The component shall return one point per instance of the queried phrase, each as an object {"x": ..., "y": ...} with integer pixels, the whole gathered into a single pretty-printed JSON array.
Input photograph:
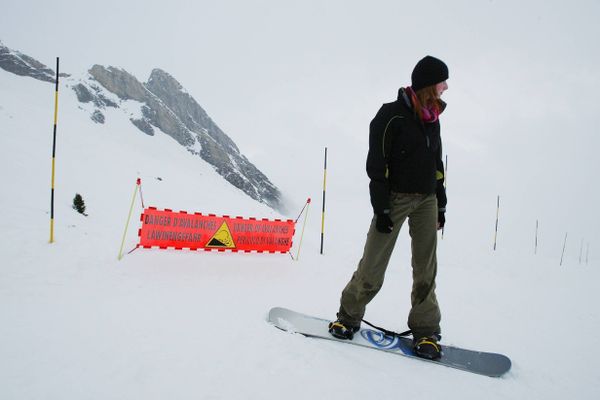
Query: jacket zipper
[{"x": 387, "y": 172}]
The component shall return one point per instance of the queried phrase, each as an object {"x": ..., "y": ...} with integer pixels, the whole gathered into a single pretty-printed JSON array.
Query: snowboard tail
[{"x": 478, "y": 362}]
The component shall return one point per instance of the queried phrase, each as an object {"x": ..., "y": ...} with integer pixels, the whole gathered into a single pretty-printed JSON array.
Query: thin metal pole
[
  {"x": 54, "y": 155},
  {"x": 587, "y": 253},
  {"x": 497, "y": 215},
  {"x": 580, "y": 251},
  {"x": 303, "y": 226},
  {"x": 138, "y": 185},
  {"x": 563, "y": 250},
  {"x": 536, "y": 236},
  {"x": 324, "y": 190}
]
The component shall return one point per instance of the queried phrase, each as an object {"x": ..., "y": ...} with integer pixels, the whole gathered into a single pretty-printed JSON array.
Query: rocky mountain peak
[
  {"x": 23, "y": 65},
  {"x": 164, "y": 106},
  {"x": 174, "y": 96},
  {"x": 160, "y": 78},
  {"x": 119, "y": 82}
]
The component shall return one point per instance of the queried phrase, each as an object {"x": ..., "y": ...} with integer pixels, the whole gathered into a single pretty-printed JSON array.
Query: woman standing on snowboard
[{"x": 406, "y": 170}]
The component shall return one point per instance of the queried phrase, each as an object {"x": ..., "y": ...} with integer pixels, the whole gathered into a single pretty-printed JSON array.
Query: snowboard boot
[
  {"x": 427, "y": 347},
  {"x": 341, "y": 330}
]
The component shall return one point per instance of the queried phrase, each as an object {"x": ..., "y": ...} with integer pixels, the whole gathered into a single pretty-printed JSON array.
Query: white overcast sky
[{"x": 524, "y": 79}]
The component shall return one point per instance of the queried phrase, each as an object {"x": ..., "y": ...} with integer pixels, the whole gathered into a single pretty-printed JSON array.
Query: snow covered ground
[{"x": 78, "y": 324}]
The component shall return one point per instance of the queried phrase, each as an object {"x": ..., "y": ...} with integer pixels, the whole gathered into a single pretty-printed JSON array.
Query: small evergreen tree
[{"x": 79, "y": 204}]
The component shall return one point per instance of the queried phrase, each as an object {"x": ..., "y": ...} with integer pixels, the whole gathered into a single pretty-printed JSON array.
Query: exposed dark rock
[
  {"x": 23, "y": 65},
  {"x": 98, "y": 117},
  {"x": 83, "y": 94},
  {"x": 127, "y": 87},
  {"x": 143, "y": 126},
  {"x": 166, "y": 88}
]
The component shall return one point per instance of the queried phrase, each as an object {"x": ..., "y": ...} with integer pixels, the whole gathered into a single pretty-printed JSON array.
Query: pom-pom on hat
[{"x": 428, "y": 71}]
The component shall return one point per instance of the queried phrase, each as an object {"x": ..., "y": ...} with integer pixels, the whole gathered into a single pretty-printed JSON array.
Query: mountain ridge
[{"x": 165, "y": 106}]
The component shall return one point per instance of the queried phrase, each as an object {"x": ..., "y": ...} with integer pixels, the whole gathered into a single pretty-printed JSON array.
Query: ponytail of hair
[{"x": 426, "y": 97}]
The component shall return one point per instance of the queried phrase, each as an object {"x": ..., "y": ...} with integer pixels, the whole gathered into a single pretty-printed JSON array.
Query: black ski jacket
[{"x": 405, "y": 155}]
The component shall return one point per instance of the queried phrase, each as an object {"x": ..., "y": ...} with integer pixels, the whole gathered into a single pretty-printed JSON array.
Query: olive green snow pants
[{"x": 421, "y": 211}]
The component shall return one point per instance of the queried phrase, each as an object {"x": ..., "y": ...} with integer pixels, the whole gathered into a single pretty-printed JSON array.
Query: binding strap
[{"x": 388, "y": 333}]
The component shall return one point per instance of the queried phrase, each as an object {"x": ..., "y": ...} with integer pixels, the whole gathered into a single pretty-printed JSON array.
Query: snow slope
[{"x": 77, "y": 323}]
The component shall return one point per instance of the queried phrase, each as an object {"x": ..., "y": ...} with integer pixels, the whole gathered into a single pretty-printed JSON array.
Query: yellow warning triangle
[{"x": 222, "y": 238}]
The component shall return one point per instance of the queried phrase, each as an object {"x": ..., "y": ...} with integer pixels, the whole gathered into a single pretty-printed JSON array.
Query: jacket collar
[{"x": 404, "y": 98}]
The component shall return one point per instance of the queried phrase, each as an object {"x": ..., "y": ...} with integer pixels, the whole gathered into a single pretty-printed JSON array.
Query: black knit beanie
[{"x": 428, "y": 71}]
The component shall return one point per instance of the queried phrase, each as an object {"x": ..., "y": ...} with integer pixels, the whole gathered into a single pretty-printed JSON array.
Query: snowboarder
[{"x": 404, "y": 164}]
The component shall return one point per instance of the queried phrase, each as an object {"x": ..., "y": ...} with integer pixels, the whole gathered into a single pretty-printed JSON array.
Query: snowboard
[{"x": 478, "y": 362}]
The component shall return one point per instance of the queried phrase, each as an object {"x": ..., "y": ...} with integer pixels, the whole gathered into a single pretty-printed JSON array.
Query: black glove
[
  {"x": 384, "y": 224},
  {"x": 441, "y": 219}
]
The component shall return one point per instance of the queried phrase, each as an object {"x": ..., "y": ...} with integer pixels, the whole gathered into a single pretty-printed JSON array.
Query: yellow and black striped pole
[
  {"x": 323, "y": 212},
  {"x": 54, "y": 156}
]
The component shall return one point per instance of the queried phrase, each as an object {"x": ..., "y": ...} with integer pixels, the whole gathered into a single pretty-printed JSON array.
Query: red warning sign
[{"x": 179, "y": 230}]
